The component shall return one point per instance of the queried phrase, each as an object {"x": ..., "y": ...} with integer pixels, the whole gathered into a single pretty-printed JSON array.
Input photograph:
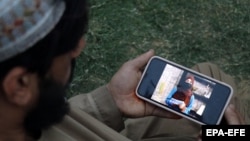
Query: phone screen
[{"x": 184, "y": 91}]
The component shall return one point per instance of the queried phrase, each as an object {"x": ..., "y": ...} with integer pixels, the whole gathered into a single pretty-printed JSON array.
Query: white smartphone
[{"x": 184, "y": 91}]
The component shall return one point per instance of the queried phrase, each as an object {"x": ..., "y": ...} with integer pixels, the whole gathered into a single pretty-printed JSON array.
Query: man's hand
[
  {"x": 123, "y": 85},
  {"x": 233, "y": 117}
]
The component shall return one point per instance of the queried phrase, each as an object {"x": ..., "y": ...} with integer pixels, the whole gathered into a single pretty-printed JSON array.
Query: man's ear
[
  {"x": 18, "y": 86},
  {"x": 80, "y": 46}
]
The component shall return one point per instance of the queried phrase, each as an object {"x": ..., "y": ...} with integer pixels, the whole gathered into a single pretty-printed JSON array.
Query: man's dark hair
[{"x": 63, "y": 38}]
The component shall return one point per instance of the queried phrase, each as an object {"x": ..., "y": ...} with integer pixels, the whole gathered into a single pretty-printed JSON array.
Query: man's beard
[{"x": 52, "y": 106}]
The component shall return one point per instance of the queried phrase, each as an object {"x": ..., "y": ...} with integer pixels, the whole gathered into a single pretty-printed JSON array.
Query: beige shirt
[{"x": 93, "y": 117}]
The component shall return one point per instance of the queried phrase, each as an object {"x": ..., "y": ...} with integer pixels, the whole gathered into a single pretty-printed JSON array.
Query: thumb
[
  {"x": 142, "y": 60},
  {"x": 232, "y": 116}
]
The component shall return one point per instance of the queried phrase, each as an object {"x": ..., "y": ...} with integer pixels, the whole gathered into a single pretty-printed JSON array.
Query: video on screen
[{"x": 183, "y": 91}]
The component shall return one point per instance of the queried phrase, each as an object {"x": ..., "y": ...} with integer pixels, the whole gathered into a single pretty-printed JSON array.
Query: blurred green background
[{"x": 184, "y": 31}]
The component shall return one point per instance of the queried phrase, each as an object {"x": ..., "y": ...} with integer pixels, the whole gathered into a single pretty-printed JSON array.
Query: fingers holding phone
[{"x": 232, "y": 116}]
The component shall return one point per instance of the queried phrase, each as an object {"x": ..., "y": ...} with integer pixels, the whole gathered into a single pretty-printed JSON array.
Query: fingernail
[
  {"x": 231, "y": 106},
  {"x": 151, "y": 50}
]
